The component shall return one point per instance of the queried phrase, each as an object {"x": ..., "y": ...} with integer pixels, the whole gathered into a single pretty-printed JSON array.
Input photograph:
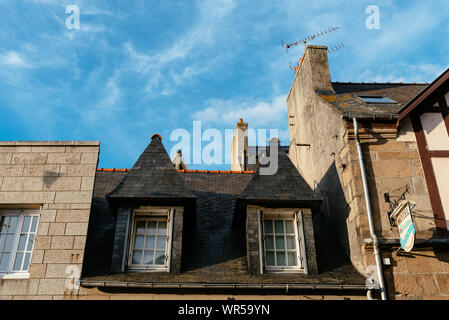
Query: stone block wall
[
  {"x": 56, "y": 178},
  {"x": 309, "y": 239},
  {"x": 422, "y": 274},
  {"x": 391, "y": 165},
  {"x": 252, "y": 240},
  {"x": 392, "y": 162}
]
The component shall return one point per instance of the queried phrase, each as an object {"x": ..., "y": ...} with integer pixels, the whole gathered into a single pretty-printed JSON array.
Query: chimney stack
[
  {"x": 178, "y": 161},
  {"x": 239, "y": 150},
  {"x": 315, "y": 67}
]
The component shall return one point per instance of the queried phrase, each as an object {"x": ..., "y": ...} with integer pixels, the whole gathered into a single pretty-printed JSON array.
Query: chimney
[
  {"x": 314, "y": 68},
  {"x": 239, "y": 150},
  {"x": 178, "y": 161}
]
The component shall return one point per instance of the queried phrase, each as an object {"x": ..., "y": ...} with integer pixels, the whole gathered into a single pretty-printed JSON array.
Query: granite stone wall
[{"x": 56, "y": 179}]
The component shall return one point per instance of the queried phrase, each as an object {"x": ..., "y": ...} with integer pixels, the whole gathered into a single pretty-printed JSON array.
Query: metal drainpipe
[{"x": 370, "y": 215}]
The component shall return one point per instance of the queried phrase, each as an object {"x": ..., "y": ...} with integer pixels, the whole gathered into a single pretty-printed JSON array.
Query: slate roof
[
  {"x": 153, "y": 176},
  {"x": 286, "y": 185},
  {"x": 100, "y": 233},
  {"x": 215, "y": 252},
  {"x": 345, "y": 101}
]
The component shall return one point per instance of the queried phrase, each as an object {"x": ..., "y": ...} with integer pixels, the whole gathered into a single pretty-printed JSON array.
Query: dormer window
[
  {"x": 150, "y": 241},
  {"x": 377, "y": 99},
  {"x": 282, "y": 241}
]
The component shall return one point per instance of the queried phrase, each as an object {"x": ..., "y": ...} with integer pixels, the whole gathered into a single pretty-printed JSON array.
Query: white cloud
[
  {"x": 402, "y": 72},
  {"x": 13, "y": 59},
  {"x": 258, "y": 114}
]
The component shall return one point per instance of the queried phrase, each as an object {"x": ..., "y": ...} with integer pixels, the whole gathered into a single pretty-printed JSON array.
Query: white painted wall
[{"x": 435, "y": 131}]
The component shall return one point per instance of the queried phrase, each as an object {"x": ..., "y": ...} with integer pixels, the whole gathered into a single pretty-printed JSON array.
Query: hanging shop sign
[{"x": 402, "y": 216}]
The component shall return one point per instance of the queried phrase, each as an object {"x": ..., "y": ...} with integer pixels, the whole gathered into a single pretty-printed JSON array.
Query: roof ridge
[
  {"x": 183, "y": 171},
  {"x": 153, "y": 176},
  {"x": 113, "y": 170},
  {"x": 216, "y": 171},
  {"x": 383, "y": 83}
]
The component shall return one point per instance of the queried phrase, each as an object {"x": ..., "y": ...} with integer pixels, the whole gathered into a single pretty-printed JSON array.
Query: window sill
[
  {"x": 17, "y": 275},
  {"x": 147, "y": 270},
  {"x": 275, "y": 270}
]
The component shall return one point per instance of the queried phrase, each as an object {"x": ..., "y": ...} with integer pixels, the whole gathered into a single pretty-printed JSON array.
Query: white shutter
[
  {"x": 301, "y": 251},
  {"x": 261, "y": 241},
  {"x": 170, "y": 226}
]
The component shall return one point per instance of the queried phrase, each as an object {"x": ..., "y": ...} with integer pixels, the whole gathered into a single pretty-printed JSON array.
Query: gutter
[
  {"x": 369, "y": 212},
  {"x": 286, "y": 287},
  {"x": 421, "y": 243}
]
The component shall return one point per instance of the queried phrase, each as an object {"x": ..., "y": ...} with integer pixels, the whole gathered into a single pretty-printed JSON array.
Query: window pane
[
  {"x": 279, "y": 226},
  {"x": 289, "y": 226},
  {"x": 34, "y": 224},
  {"x": 151, "y": 227},
  {"x": 280, "y": 256},
  {"x": 162, "y": 227},
  {"x": 140, "y": 227},
  {"x": 4, "y": 259},
  {"x": 280, "y": 244},
  {"x": 138, "y": 242},
  {"x": 8, "y": 243},
  {"x": 2, "y": 241},
  {"x": 3, "y": 224},
  {"x": 13, "y": 221},
  {"x": 30, "y": 242},
  {"x": 270, "y": 258},
  {"x": 149, "y": 242},
  {"x": 26, "y": 263},
  {"x": 148, "y": 258},
  {"x": 26, "y": 224},
  {"x": 161, "y": 241},
  {"x": 160, "y": 258},
  {"x": 291, "y": 242},
  {"x": 18, "y": 261},
  {"x": 291, "y": 258},
  {"x": 268, "y": 226},
  {"x": 22, "y": 242},
  {"x": 137, "y": 257},
  {"x": 377, "y": 99},
  {"x": 269, "y": 242}
]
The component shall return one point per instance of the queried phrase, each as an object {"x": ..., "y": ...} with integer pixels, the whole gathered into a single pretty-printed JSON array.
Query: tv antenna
[
  {"x": 336, "y": 48},
  {"x": 305, "y": 40}
]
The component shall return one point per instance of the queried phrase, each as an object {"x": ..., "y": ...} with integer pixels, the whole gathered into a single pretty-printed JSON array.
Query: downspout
[{"x": 370, "y": 215}]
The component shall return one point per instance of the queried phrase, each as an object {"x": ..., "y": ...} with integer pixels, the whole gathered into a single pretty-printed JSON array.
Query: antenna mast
[{"x": 305, "y": 40}]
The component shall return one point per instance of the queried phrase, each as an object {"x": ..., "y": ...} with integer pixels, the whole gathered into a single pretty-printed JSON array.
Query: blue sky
[{"x": 135, "y": 68}]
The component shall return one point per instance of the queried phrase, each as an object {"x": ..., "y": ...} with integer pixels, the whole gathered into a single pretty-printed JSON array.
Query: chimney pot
[{"x": 156, "y": 135}]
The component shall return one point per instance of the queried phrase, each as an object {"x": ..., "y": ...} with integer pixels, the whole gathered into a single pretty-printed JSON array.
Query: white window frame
[
  {"x": 284, "y": 214},
  {"x": 21, "y": 213},
  {"x": 149, "y": 213}
]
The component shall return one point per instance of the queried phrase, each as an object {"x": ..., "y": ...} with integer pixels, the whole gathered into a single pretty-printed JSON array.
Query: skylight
[{"x": 377, "y": 99}]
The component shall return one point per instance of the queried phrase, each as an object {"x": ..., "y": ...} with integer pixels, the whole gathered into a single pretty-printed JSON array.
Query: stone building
[
  {"x": 403, "y": 132},
  {"x": 46, "y": 191},
  {"x": 155, "y": 232},
  {"x": 69, "y": 230}
]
